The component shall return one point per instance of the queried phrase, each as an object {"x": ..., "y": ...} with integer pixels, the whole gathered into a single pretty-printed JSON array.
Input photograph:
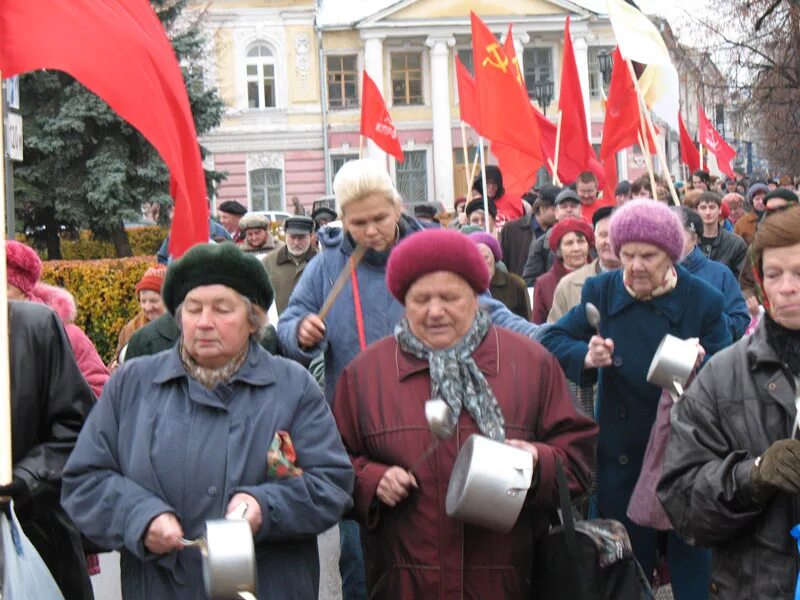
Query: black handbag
[{"x": 569, "y": 564}]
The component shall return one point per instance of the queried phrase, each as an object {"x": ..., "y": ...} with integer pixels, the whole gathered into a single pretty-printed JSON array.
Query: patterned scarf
[
  {"x": 456, "y": 378},
  {"x": 667, "y": 284},
  {"x": 209, "y": 378}
]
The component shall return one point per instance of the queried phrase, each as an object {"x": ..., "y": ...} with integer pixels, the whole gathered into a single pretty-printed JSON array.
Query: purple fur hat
[{"x": 648, "y": 222}]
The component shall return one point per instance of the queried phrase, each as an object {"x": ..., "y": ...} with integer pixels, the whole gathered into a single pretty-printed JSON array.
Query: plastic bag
[
  {"x": 25, "y": 575},
  {"x": 796, "y": 535}
]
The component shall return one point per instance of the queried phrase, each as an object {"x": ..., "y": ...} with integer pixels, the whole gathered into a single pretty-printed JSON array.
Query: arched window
[{"x": 260, "y": 77}]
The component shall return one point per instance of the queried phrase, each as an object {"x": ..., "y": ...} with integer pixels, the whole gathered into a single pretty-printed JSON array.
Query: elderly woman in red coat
[{"x": 496, "y": 383}]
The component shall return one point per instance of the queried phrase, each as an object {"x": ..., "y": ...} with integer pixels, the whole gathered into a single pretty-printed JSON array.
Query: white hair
[{"x": 360, "y": 178}]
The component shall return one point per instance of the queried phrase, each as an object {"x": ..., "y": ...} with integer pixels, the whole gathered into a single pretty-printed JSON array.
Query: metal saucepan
[
  {"x": 440, "y": 422},
  {"x": 229, "y": 557},
  {"x": 489, "y": 483},
  {"x": 673, "y": 364}
]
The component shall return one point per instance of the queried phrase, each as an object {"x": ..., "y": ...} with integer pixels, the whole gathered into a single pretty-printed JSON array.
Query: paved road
[{"x": 106, "y": 584}]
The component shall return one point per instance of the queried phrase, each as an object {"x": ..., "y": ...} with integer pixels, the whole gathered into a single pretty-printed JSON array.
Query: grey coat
[
  {"x": 741, "y": 402},
  {"x": 158, "y": 441}
]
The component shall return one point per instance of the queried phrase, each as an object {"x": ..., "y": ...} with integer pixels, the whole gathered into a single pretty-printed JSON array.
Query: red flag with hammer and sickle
[{"x": 505, "y": 112}]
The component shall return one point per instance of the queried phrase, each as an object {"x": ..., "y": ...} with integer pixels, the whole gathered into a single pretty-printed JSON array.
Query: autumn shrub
[
  {"x": 145, "y": 241},
  {"x": 104, "y": 292}
]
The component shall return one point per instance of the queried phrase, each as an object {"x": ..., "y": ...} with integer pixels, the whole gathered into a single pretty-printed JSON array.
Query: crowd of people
[{"x": 535, "y": 320}]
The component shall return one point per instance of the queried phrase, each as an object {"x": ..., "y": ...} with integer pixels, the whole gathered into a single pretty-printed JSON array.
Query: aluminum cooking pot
[
  {"x": 489, "y": 483},
  {"x": 673, "y": 364},
  {"x": 229, "y": 563}
]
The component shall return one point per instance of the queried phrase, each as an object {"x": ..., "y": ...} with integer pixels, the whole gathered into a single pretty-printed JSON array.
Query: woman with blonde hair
[{"x": 365, "y": 311}]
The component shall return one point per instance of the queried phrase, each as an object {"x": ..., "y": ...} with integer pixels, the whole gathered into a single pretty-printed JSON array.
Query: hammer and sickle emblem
[{"x": 494, "y": 58}]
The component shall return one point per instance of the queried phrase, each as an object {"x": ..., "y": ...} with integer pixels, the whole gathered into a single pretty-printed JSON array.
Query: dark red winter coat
[{"x": 415, "y": 550}]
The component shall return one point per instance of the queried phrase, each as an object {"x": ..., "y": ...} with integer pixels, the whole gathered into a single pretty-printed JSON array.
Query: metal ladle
[
  {"x": 440, "y": 422},
  {"x": 593, "y": 316}
]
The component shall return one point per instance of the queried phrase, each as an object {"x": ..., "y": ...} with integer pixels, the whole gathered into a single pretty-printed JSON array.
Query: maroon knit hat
[
  {"x": 487, "y": 239},
  {"x": 435, "y": 250},
  {"x": 24, "y": 266},
  {"x": 649, "y": 222},
  {"x": 571, "y": 225}
]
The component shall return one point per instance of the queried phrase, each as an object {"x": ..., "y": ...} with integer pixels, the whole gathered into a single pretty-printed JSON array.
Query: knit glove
[{"x": 779, "y": 467}]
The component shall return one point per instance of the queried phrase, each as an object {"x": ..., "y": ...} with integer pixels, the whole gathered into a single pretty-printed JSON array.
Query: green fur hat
[{"x": 210, "y": 264}]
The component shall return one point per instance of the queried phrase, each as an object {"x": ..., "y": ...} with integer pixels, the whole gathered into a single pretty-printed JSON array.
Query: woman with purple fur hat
[{"x": 651, "y": 296}]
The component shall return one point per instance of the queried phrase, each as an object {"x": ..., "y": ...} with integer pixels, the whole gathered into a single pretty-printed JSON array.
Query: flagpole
[
  {"x": 466, "y": 153},
  {"x": 701, "y": 156},
  {"x": 360, "y": 146},
  {"x": 558, "y": 146},
  {"x": 483, "y": 181},
  {"x": 6, "y": 464},
  {"x": 644, "y": 144},
  {"x": 472, "y": 172},
  {"x": 651, "y": 128}
]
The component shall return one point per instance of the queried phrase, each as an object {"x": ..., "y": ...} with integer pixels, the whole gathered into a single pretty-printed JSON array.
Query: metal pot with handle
[
  {"x": 489, "y": 483},
  {"x": 672, "y": 364},
  {"x": 229, "y": 558}
]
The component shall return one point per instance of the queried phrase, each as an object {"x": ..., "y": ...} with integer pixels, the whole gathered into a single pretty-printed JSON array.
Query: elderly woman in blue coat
[
  {"x": 651, "y": 296},
  {"x": 189, "y": 434}
]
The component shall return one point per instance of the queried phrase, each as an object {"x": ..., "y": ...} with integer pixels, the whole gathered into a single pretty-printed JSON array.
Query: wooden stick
[
  {"x": 701, "y": 156},
  {"x": 556, "y": 180},
  {"x": 340, "y": 282},
  {"x": 646, "y": 151},
  {"x": 5, "y": 379},
  {"x": 651, "y": 128},
  {"x": 554, "y": 166},
  {"x": 466, "y": 155},
  {"x": 360, "y": 146}
]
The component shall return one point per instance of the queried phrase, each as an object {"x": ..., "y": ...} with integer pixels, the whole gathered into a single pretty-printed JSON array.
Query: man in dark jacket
[
  {"x": 716, "y": 242},
  {"x": 50, "y": 400},
  {"x": 516, "y": 236}
]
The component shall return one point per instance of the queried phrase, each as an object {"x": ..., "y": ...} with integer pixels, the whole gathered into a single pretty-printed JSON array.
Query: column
[
  {"x": 442, "y": 123},
  {"x": 520, "y": 39},
  {"x": 581, "y": 48},
  {"x": 373, "y": 64}
]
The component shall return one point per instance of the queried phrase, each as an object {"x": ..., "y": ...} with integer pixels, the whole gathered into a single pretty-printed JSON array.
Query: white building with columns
[{"x": 289, "y": 72}]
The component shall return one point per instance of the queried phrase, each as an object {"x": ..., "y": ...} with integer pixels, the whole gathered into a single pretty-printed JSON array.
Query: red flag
[
  {"x": 714, "y": 142},
  {"x": 376, "y": 124},
  {"x": 505, "y": 114},
  {"x": 690, "y": 156},
  {"x": 467, "y": 97},
  {"x": 574, "y": 145},
  {"x": 120, "y": 52},
  {"x": 621, "y": 127}
]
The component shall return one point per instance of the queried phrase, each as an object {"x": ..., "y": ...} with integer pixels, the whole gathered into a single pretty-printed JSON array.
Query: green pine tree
[{"x": 84, "y": 167}]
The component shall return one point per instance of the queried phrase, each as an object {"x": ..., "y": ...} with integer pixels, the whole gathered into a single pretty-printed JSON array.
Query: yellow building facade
[{"x": 289, "y": 73}]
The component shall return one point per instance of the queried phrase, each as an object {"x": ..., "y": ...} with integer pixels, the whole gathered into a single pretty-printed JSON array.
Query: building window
[
  {"x": 338, "y": 160},
  {"x": 260, "y": 66},
  {"x": 266, "y": 189},
  {"x": 342, "y": 81},
  {"x": 595, "y": 76},
  {"x": 406, "y": 78},
  {"x": 412, "y": 176},
  {"x": 538, "y": 63},
  {"x": 465, "y": 55}
]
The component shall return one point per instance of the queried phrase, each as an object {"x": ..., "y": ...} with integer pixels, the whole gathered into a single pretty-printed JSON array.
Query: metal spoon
[
  {"x": 593, "y": 316},
  {"x": 440, "y": 422}
]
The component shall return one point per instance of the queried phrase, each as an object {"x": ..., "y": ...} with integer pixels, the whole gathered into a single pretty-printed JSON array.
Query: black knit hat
[
  {"x": 232, "y": 207},
  {"x": 784, "y": 194},
  {"x": 211, "y": 264}
]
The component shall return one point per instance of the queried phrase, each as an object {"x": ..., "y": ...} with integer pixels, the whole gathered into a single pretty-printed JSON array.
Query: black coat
[
  {"x": 540, "y": 259},
  {"x": 515, "y": 242},
  {"x": 50, "y": 401},
  {"x": 740, "y": 403},
  {"x": 727, "y": 248}
]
